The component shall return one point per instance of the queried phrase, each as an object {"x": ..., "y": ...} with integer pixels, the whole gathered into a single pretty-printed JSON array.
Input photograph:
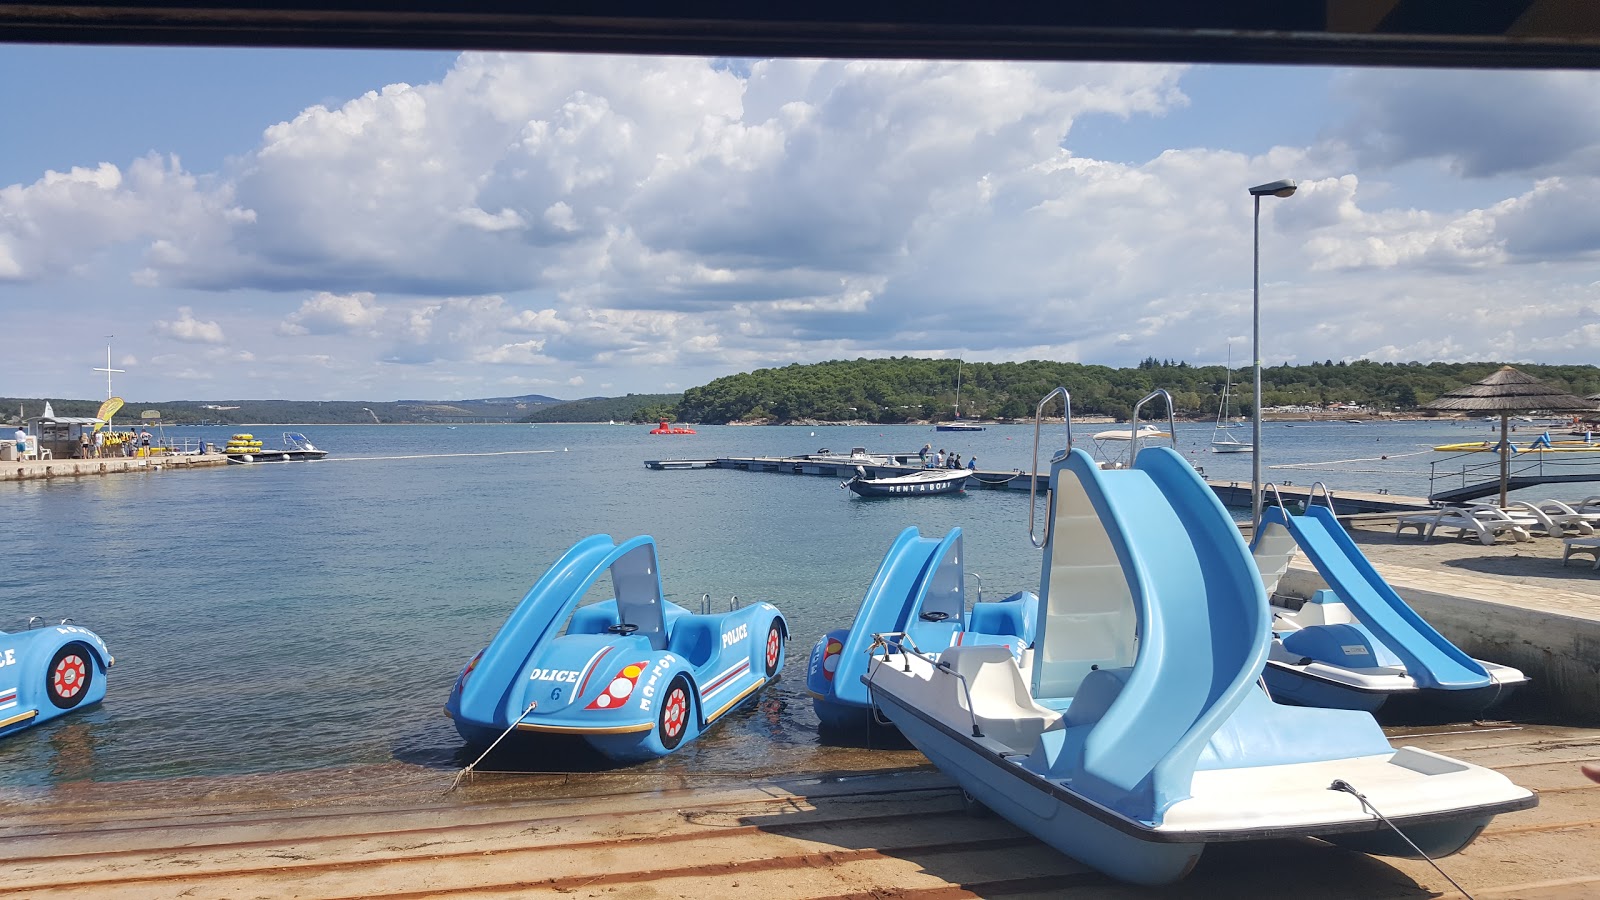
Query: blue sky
[{"x": 371, "y": 225}]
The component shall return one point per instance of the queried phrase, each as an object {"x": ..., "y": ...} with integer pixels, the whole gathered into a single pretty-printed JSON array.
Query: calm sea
[{"x": 300, "y": 616}]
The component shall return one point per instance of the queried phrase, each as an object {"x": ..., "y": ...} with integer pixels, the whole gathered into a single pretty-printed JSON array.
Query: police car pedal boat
[
  {"x": 636, "y": 676},
  {"x": 48, "y": 671},
  {"x": 919, "y": 589}
]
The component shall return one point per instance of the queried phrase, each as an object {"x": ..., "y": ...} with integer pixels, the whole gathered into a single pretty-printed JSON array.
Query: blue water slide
[
  {"x": 1202, "y": 630},
  {"x": 1430, "y": 659},
  {"x": 542, "y": 612},
  {"x": 884, "y": 608}
]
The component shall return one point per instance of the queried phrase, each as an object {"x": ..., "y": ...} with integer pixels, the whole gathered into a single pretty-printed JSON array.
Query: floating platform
[
  {"x": 32, "y": 469},
  {"x": 1231, "y": 493}
]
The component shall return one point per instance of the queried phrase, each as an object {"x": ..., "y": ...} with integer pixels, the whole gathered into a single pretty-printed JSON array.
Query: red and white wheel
[
  {"x": 69, "y": 676},
  {"x": 674, "y": 721},
  {"x": 774, "y": 647}
]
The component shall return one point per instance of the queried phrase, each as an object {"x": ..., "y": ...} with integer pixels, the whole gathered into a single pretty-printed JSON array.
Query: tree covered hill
[
  {"x": 297, "y": 412},
  {"x": 631, "y": 408},
  {"x": 903, "y": 389}
]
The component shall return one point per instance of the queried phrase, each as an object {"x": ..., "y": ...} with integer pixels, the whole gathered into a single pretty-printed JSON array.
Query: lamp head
[{"x": 1281, "y": 188}]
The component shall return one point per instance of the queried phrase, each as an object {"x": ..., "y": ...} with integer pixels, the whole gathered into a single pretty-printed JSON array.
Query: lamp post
[{"x": 1280, "y": 188}]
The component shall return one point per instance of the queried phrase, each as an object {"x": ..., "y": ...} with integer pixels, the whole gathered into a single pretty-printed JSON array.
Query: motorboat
[
  {"x": 1115, "y": 447},
  {"x": 858, "y": 456},
  {"x": 1134, "y": 731},
  {"x": 1357, "y": 644},
  {"x": 664, "y": 428},
  {"x": 244, "y": 449},
  {"x": 48, "y": 671},
  {"x": 921, "y": 483},
  {"x": 920, "y": 590},
  {"x": 635, "y": 676}
]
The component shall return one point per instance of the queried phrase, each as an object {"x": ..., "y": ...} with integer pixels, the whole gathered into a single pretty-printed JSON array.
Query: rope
[
  {"x": 1336, "y": 462},
  {"x": 435, "y": 455},
  {"x": 464, "y": 772},
  {"x": 1339, "y": 784},
  {"x": 982, "y": 480}
]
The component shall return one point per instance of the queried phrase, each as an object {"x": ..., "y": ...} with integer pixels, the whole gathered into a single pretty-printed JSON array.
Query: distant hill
[
  {"x": 300, "y": 412},
  {"x": 631, "y": 408}
]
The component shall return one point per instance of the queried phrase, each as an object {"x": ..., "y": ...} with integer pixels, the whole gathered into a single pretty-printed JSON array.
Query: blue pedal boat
[
  {"x": 920, "y": 590},
  {"x": 48, "y": 671},
  {"x": 1134, "y": 732},
  {"x": 636, "y": 676},
  {"x": 1357, "y": 644}
]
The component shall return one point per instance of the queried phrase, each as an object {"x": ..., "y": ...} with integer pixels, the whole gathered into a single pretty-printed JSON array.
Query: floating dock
[
  {"x": 1231, "y": 493},
  {"x": 33, "y": 469}
]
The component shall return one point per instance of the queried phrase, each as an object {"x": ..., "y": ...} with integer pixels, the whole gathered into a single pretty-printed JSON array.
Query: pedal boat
[
  {"x": 1139, "y": 733},
  {"x": 920, "y": 590},
  {"x": 1357, "y": 644},
  {"x": 636, "y": 676},
  {"x": 49, "y": 671}
]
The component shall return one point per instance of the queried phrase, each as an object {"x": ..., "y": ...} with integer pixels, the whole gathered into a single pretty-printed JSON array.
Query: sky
[{"x": 365, "y": 225}]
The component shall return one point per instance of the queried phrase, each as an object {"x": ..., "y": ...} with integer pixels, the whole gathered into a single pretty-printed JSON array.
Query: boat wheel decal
[
  {"x": 774, "y": 644},
  {"x": 677, "y": 712},
  {"x": 69, "y": 675},
  {"x": 830, "y": 658}
]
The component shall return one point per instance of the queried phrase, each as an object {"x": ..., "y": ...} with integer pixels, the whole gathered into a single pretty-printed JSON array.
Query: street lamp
[{"x": 1280, "y": 188}]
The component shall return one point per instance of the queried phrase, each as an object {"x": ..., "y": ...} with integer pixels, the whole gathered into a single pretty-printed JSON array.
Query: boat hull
[
  {"x": 904, "y": 487},
  {"x": 1290, "y": 684},
  {"x": 1007, "y": 790},
  {"x": 267, "y": 456}
]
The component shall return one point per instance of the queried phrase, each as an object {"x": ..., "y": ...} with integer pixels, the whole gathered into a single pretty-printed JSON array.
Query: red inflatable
[{"x": 664, "y": 428}]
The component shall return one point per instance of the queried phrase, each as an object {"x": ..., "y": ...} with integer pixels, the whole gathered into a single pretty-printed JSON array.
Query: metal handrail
[
  {"x": 1327, "y": 496},
  {"x": 1269, "y": 486},
  {"x": 905, "y": 641},
  {"x": 705, "y": 604},
  {"x": 979, "y": 578},
  {"x": 33, "y": 619},
  {"x": 1033, "y": 485},
  {"x": 1172, "y": 423}
]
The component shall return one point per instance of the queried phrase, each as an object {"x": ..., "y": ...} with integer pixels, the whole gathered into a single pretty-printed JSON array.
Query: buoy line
[
  {"x": 1336, "y": 462},
  {"x": 435, "y": 455}
]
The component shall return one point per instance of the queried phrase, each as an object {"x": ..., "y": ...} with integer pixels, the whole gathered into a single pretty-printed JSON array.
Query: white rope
[
  {"x": 435, "y": 455},
  {"x": 464, "y": 772},
  {"x": 1336, "y": 462}
]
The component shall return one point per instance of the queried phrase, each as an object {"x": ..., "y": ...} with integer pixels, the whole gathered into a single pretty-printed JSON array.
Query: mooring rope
[
  {"x": 1339, "y": 784},
  {"x": 464, "y": 772},
  {"x": 1337, "y": 462}
]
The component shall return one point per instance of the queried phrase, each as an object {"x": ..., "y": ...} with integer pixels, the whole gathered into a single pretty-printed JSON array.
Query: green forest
[
  {"x": 905, "y": 389},
  {"x": 638, "y": 408}
]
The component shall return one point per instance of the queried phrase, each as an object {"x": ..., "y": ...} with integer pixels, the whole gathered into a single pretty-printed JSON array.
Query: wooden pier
[{"x": 1231, "y": 493}]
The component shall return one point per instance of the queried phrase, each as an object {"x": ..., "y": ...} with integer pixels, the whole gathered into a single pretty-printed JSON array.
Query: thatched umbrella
[{"x": 1505, "y": 392}]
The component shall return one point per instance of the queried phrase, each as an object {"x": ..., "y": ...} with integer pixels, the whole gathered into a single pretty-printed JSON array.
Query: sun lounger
[
  {"x": 1484, "y": 523},
  {"x": 1581, "y": 545},
  {"x": 1562, "y": 516}
]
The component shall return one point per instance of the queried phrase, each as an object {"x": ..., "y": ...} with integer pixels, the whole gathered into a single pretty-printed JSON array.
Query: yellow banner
[{"x": 107, "y": 410}]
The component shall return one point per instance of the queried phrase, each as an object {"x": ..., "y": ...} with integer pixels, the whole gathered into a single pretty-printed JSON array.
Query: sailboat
[
  {"x": 956, "y": 424},
  {"x": 1222, "y": 441}
]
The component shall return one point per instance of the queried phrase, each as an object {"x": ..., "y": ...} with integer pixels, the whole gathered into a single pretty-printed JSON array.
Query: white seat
[
  {"x": 1484, "y": 523},
  {"x": 1581, "y": 545},
  {"x": 1560, "y": 518}
]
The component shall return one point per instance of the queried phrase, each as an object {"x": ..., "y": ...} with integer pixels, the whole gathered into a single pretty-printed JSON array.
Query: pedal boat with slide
[
  {"x": 1135, "y": 731},
  {"x": 920, "y": 590},
  {"x": 48, "y": 671},
  {"x": 635, "y": 676},
  {"x": 1357, "y": 644}
]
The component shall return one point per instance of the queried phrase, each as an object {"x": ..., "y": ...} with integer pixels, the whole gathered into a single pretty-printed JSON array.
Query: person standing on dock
[
  {"x": 923, "y": 454},
  {"x": 99, "y": 444},
  {"x": 83, "y": 445}
]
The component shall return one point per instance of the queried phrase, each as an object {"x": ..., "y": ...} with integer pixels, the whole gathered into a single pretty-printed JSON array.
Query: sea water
[{"x": 311, "y": 615}]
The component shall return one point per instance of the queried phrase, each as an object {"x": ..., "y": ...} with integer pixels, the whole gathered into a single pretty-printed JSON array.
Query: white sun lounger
[
  {"x": 1581, "y": 545},
  {"x": 1484, "y": 523},
  {"x": 1561, "y": 516}
]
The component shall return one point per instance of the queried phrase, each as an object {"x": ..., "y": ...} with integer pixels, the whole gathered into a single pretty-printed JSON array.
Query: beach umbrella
[{"x": 1504, "y": 393}]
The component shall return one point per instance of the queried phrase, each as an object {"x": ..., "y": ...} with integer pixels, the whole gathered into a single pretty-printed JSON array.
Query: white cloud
[
  {"x": 328, "y": 313},
  {"x": 190, "y": 330}
]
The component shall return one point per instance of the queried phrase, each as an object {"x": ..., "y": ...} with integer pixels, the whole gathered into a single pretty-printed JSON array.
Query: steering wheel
[
  {"x": 934, "y": 616},
  {"x": 622, "y": 628}
]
